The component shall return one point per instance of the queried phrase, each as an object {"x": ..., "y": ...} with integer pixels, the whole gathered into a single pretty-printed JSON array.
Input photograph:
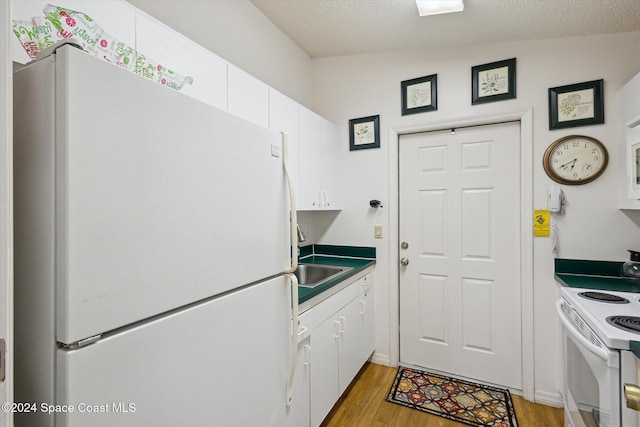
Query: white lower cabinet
[
  {"x": 300, "y": 411},
  {"x": 340, "y": 342},
  {"x": 350, "y": 323},
  {"x": 366, "y": 336},
  {"x": 324, "y": 368}
]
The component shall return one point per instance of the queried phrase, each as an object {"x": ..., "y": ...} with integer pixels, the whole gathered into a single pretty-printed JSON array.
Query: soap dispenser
[{"x": 631, "y": 268}]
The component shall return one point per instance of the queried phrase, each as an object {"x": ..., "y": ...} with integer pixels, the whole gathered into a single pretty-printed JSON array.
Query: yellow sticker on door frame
[{"x": 541, "y": 223}]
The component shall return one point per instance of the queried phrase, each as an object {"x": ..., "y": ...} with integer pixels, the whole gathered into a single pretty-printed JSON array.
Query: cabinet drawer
[
  {"x": 305, "y": 325},
  {"x": 333, "y": 304}
]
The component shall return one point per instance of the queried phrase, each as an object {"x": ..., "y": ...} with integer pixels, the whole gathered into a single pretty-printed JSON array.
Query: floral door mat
[{"x": 463, "y": 401}]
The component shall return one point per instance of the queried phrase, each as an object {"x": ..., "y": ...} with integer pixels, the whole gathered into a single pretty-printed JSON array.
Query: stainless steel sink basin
[{"x": 312, "y": 275}]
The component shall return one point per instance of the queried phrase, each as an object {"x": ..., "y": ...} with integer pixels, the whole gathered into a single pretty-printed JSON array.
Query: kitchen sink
[{"x": 312, "y": 275}]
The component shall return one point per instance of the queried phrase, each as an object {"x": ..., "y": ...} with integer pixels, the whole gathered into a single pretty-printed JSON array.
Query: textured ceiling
[{"x": 350, "y": 27}]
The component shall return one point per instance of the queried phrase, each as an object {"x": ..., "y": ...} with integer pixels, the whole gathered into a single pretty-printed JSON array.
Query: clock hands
[{"x": 566, "y": 165}]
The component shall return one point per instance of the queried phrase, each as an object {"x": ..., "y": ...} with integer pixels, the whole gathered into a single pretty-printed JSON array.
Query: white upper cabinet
[
  {"x": 629, "y": 148},
  {"x": 248, "y": 97},
  {"x": 320, "y": 167},
  {"x": 172, "y": 50},
  {"x": 284, "y": 117},
  {"x": 314, "y": 142}
]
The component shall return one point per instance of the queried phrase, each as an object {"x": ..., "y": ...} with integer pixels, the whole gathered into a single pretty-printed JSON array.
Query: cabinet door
[
  {"x": 350, "y": 354},
  {"x": 300, "y": 411},
  {"x": 320, "y": 167},
  {"x": 324, "y": 369},
  {"x": 633, "y": 163},
  {"x": 366, "y": 316},
  {"x": 171, "y": 49},
  {"x": 311, "y": 160},
  {"x": 248, "y": 97},
  {"x": 283, "y": 117},
  {"x": 332, "y": 175}
]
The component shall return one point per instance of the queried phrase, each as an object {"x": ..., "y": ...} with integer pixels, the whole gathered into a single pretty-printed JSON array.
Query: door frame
[{"x": 525, "y": 117}]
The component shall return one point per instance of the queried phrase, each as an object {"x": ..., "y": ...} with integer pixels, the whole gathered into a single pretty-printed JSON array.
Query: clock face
[{"x": 575, "y": 160}]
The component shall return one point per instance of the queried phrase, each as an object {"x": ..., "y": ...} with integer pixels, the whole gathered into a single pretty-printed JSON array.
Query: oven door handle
[{"x": 600, "y": 352}]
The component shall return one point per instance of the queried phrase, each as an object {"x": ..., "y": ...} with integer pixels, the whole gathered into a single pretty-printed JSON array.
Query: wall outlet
[{"x": 377, "y": 231}]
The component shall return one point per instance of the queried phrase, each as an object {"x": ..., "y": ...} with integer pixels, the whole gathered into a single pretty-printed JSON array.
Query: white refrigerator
[{"x": 151, "y": 234}]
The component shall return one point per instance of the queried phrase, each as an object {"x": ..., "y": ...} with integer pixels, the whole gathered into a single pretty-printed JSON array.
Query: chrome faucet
[{"x": 301, "y": 237}]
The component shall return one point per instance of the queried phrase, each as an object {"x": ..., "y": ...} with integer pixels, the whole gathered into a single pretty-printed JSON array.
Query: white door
[{"x": 460, "y": 220}]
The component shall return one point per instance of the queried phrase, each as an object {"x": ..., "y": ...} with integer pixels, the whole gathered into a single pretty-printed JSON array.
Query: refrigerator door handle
[
  {"x": 293, "y": 236},
  {"x": 293, "y": 232},
  {"x": 294, "y": 335}
]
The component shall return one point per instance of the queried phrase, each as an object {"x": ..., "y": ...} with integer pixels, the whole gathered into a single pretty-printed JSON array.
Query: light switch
[{"x": 377, "y": 231}]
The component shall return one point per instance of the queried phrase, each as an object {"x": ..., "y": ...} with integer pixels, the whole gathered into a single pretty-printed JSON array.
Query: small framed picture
[
  {"x": 495, "y": 81},
  {"x": 578, "y": 104},
  {"x": 419, "y": 95},
  {"x": 364, "y": 133}
]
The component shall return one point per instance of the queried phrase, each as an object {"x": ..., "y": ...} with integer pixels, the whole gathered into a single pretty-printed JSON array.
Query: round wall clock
[{"x": 575, "y": 160}]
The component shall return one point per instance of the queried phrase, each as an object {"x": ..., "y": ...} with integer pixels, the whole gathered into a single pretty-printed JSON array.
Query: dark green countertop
[
  {"x": 601, "y": 275},
  {"x": 358, "y": 258},
  {"x": 603, "y": 283},
  {"x": 634, "y": 346}
]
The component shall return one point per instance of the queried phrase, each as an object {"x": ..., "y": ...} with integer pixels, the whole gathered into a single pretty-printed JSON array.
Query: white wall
[
  {"x": 592, "y": 228},
  {"x": 239, "y": 33}
]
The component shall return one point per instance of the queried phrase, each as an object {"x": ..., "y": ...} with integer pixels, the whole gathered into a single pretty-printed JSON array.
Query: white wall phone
[
  {"x": 556, "y": 199},
  {"x": 555, "y": 204}
]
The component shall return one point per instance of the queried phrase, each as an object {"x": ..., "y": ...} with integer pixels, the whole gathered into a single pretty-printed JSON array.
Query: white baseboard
[
  {"x": 549, "y": 399},
  {"x": 380, "y": 359}
]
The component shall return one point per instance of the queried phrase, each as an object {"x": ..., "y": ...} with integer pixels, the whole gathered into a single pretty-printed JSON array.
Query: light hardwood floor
[{"x": 364, "y": 405}]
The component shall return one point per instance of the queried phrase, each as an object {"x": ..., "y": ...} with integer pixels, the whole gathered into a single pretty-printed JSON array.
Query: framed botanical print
[
  {"x": 419, "y": 95},
  {"x": 364, "y": 133},
  {"x": 578, "y": 104},
  {"x": 495, "y": 81}
]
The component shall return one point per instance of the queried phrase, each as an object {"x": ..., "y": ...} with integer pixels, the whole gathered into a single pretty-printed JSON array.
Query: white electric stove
[
  {"x": 598, "y": 327},
  {"x": 613, "y": 316}
]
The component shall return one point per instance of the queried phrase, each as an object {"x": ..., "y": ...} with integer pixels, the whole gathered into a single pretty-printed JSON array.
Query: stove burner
[
  {"x": 628, "y": 323},
  {"x": 604, "y": 297}
]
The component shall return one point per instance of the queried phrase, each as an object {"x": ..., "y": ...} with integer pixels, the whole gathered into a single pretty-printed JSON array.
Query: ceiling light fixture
[{"x": 437, "y": 7}]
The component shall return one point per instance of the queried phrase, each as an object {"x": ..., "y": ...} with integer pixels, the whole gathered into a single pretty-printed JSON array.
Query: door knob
[
  {"x": 404, "y": 261},
  {"x": 632, "y": 396}
]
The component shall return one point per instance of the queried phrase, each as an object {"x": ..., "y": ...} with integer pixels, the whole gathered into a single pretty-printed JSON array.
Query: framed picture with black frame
[
  {"x": 419, "y": 95},
  {"x": 495, "y": 81},
  {"x": 364, "y": 133},
  {"x": 579, "y": 104}
]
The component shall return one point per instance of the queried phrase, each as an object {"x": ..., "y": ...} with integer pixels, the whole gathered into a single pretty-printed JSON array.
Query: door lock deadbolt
[{"x": 404, "y": 245}]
